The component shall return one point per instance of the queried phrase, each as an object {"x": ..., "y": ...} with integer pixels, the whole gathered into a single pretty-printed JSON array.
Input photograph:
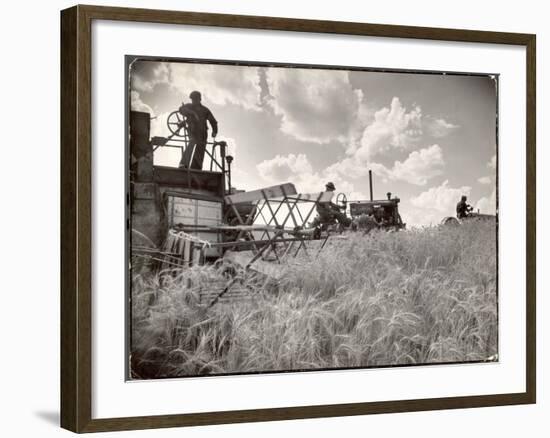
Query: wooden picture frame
[{"x": 76, "y": 218}]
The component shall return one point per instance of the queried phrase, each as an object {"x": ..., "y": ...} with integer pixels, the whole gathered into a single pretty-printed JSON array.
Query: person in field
[
  {"x": 196, "y": 115},
  {"x": 463, "y": 208},
  {"x": 328, "y": 212}
]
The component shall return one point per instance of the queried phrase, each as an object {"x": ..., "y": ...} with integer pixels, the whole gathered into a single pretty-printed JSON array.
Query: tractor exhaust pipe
[{"x": 370, "y": 183}]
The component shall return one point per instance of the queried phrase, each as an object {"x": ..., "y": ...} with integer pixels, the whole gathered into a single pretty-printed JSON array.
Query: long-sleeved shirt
[
  {"x": 462, "y": 209},
  {"x": 197, "y": 115}
]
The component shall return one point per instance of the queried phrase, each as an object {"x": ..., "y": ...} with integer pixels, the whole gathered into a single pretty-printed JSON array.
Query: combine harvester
[{"x": 179, "y": 217}]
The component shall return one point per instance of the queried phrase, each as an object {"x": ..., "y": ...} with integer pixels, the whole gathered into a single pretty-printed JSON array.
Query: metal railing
[{"x": 214, "y": 156}]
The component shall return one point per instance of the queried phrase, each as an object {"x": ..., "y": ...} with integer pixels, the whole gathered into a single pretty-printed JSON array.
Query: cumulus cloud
[
  {"x": 136, "y": 104},
  {"x": 146, "y": 75},
  {"x": 316, "y": 105},
  {"x": 488, "y": 204},
  {"x": 298, "y": 170},
  {"x": 281, "y": 168},
  {"x": 492, "y": 164},
  {"x": 322, "y": 106},
  {"x": 419, "y": 167},
  {"x": 439, "y": 128},
  {"x": 349, "y": 168},
  {"x": 437, "y": 202},
  {"x": 393, "y": 127},
  {"x": 242, "y": 180},
  {"x": 219, "y": 84},
  {"x": 442, "y": 198},
  {"x": 484, "y": 180}
]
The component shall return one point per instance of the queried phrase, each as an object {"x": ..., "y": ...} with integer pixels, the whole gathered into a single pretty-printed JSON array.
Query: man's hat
[
  {"x": 195, "y": 94},
  {"x": 330, "y": 186}
]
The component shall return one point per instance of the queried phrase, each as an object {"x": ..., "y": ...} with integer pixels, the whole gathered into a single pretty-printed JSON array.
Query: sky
[{"x": 428, "y": 138}]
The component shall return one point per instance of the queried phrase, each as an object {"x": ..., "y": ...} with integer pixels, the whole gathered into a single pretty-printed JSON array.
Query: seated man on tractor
[
  {"x": 328, "y": 213},
  {"x": 462, "y": 208}
]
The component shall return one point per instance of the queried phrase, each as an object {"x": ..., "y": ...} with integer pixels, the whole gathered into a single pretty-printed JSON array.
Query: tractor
[
  {"x": 364, "y": 215},
  {"x": 376, "y": 214},
  {"x": 453, "y": 221}
]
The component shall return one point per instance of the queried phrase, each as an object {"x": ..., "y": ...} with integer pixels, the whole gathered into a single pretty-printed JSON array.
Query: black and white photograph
[
  {"x": 275, "y": 219},
  {"x": 291, "y": 218}
]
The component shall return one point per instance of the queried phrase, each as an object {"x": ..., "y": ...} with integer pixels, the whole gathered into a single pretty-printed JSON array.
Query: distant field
[{"x": 411, "y": 297}]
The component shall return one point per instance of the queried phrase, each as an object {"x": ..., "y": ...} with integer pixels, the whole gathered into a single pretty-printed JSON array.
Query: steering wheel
[
  {"x": 342, "y": 200},
  {"x": 177, "y": 124}
]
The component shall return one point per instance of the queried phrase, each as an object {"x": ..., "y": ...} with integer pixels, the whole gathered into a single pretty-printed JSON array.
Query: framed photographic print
[{"x": 268, "y": 218}]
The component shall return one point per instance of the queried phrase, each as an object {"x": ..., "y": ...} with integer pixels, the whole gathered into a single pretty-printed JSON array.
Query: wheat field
[{"x": 420, "y": 296}]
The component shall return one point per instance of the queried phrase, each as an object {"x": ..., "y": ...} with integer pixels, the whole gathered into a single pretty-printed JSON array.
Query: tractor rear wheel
[{"x": 450, "y": 220}]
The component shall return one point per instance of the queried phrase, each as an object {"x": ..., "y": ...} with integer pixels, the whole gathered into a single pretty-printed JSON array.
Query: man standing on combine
[{"x": 196, "y": 115}]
